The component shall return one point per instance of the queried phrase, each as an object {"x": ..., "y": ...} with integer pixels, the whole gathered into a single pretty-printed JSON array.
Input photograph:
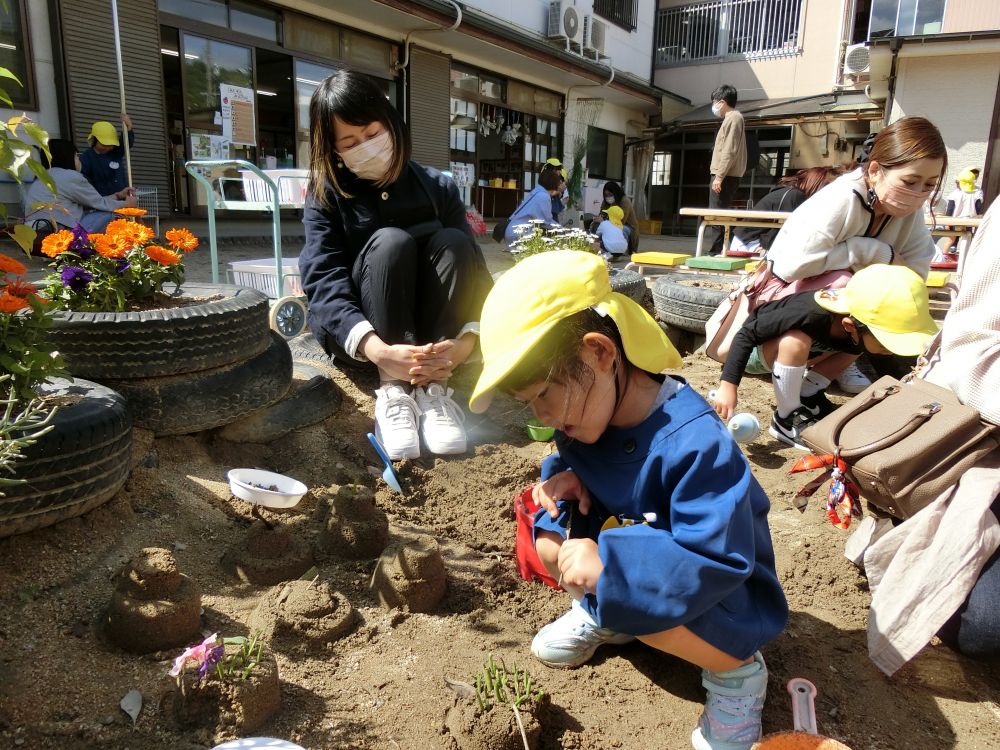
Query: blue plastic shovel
[{"x": 389, "y": 475}]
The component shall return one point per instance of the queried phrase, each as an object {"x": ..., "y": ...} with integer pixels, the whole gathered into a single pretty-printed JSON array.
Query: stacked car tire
[{"x": 687, "y": 301}]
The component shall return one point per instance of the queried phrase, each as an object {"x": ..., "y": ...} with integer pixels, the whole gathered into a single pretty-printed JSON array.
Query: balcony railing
[
  {"x": 728, "y": 29},
  {"x": 619, "y": 12}
]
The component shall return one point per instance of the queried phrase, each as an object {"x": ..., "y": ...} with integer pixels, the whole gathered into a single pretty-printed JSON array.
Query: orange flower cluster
[
  {"x": 181, "y": 239},
  {"x": 163, "y": 256},
  {"x": 11, "y": 303},
  {"x": 131, "y": 211},
  {"x": 57, "y": 243},
  {"x": 131, "y": 233},
  {"x": 9, "y": 265},
  {"x": 111, "y": 245}
]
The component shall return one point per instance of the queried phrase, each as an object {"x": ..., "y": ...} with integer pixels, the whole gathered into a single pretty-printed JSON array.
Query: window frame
[
  {"x": 602, "y": 175},
  {"x": 622, "y": 13},
  {"x": 29, "y": 102}
]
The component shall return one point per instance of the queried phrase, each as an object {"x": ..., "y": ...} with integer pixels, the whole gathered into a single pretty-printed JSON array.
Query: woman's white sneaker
[
  {"x": 396, "y": 415},
  {"x": 442, "y": 420}
]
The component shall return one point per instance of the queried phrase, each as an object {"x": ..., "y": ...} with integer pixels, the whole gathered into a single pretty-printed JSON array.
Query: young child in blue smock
[
  {"x": 669, "y": 541},
  {"x": 611, "y": 231}
]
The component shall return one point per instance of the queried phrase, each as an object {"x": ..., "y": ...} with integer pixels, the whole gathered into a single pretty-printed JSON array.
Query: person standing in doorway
[
  {"x": 103, "y": 164},
  {"x": 729, "y": 155}
]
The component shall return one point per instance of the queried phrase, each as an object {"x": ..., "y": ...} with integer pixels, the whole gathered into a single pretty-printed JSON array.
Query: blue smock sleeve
[
  {"x": 667, "y": 573},
  {"x": 551, "y": 466}
]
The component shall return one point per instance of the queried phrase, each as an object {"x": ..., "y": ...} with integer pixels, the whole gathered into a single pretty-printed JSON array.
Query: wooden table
[{"x": 943, "y": 226}]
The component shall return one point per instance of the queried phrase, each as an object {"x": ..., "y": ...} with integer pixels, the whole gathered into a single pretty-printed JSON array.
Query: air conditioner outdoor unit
[
  {"x": 857, "y": 59},
  {"x": 594, "y": 32},
  {"x": 564, "y": 21}
]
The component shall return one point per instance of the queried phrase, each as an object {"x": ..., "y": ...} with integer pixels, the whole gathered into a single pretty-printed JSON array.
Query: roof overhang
[
  {"x": 491, "y": 42},
  {"x": 838, "y": 105}
]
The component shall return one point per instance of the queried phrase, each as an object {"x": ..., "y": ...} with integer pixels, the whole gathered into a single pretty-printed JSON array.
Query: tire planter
[
  {"x": 630, "y": 283},
  {"x": 196, "y": 401},
  {"x": 683, "y": 301},
  {"x": 156, "y": 343},
  {"x": 80, "y": 464}
]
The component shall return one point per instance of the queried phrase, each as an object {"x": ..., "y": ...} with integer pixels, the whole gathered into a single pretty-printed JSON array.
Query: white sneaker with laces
[
  {"x": 396, "y": 422},
  {"x": 852, "y": 380},
  {"x": 572, "y": 639},
  {"x": 442, "y": 420}
]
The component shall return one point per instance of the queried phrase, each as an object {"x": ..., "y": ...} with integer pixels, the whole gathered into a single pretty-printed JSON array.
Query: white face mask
[
  {"x": 370, "y": 159},
  {"x": 717, "y": 109},
  {"x": 609, "y": 199}
]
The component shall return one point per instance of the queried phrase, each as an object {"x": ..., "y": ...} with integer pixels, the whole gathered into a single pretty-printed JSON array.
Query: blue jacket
[
  {"x": 538, "y": 205},
  {"x": 705, "y": 559},
  {"x": 107, "y": 172}
]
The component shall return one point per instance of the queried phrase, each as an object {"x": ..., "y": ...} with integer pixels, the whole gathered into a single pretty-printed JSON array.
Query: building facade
[{"x": 489, "y": 90}]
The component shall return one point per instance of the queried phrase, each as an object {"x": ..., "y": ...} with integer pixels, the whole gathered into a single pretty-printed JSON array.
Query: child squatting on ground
[
  {"x": 882, "y": 310},
  {"x": 668, "y": 541}
]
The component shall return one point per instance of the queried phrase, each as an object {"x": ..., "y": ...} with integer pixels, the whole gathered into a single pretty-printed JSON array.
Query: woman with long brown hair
[
  {"x": 392, "y": 271},
  {"x": 871, "y": 215}
]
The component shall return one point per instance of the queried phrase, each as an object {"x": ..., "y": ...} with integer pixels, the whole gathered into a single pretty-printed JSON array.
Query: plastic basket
[{"x": 259, "y": 274}]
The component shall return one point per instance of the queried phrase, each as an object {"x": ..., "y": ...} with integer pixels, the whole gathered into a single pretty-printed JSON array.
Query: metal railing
[
  {"x": 619, "y": 12},
  {"x": 728, "y": 29}
]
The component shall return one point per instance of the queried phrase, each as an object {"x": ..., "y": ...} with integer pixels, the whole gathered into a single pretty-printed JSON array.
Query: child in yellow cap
[
  {"x": 103, "y": 164},
  {"x": 610, "y": 232},
  {"x": 965, "y": 201},
  {"x": 882, "y": 310},
  {"x": 650, "y": 515}
]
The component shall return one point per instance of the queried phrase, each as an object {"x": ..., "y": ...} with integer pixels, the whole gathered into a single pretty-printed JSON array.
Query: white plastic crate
[
  {"x": 259, "y": 274},
  {"x": 292, "y": 185}
]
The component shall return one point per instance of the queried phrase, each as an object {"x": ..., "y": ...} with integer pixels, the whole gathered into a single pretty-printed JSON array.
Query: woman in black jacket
[
  {"x": 790, "y": 193},
  {"x": 390, "y": 267}
]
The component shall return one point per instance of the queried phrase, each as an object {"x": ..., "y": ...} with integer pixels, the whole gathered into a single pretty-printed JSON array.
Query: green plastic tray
[{"x": 717, "y": 263}]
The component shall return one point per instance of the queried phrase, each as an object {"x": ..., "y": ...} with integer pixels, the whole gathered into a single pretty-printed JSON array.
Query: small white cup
[{"x": 744, "y": 427}]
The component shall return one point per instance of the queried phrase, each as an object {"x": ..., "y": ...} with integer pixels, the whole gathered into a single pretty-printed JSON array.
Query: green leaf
[
  {"x": 42, "y": 174},
  {"x": 4, "y": 97},
  {"x": 24, "y": 236},
  {"x": 38, "y": 134},
  {"x": 6, "y": 73}
]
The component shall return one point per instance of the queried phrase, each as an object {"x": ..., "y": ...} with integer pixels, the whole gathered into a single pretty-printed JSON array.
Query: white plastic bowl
[
  {"x": 258, "y": 742},
  {"x": 289, "y": 492}
]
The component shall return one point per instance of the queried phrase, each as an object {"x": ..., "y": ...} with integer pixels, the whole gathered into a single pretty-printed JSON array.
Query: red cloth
[{"x": 528, "y": 564}]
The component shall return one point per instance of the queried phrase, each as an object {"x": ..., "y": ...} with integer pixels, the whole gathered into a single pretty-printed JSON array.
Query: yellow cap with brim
[
  {"x": 105, "y": 133},
  {"x": 537, "y": 293},
  {"x": 967, "y": 181},
  {"x": 615, "y": 215},
  {"x": 891, "y": 301}
]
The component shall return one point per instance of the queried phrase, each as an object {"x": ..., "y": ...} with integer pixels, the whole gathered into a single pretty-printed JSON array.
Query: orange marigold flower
[
  {"x": 127, "y": 211},
  {"x": 163, "y": 256},
  {"x": 20, "y": 288},
  {"x": 119, "y": 225},
  {"x": 9, "y": 265},
  {"x": 182, "y": 239},
  {"x": 57, "y": 242},
  {"x": 10, "y": 303},
  {"x": 111, "y": 246}
]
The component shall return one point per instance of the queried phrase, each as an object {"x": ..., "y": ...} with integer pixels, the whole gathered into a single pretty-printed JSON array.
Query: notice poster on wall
[{"x": 238, "y": 124}]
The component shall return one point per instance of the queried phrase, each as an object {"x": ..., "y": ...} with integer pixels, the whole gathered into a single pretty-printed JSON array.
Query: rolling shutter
[
  {"x": 430, "y": 82},
  {"x": 92, "y": 81}
]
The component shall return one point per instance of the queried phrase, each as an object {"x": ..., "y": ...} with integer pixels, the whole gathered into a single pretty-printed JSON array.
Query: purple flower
[
  {"x": 123, "y": 266},
  {"x": 212, "y": 657},
  {"x": 76, "y": 278},
  {"x": 81, "y": 242}
]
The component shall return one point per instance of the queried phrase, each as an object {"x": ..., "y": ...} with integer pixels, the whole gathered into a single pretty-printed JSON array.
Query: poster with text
[{"x": 238, "y": 124}]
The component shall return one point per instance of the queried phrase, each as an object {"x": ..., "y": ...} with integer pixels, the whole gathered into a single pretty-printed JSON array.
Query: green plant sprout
[
  {"x": 497, "y": 685},
  {"x": 18, "y": 430},
  {"x": 237, "y": 667}
]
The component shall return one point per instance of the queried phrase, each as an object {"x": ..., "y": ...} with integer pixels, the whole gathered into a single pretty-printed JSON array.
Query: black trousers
[
  {"x": 418, "y": 291},
  {"x": 722, "y": 199}
]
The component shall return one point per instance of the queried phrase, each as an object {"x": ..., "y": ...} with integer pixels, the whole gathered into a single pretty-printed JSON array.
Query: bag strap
[{"x": 918, "y": 418}]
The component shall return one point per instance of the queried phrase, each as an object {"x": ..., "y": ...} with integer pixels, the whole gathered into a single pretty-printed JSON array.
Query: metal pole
[{"x": 121, "y": 85}]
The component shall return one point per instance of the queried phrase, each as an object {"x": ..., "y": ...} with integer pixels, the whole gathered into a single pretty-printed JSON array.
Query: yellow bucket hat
[
  {"x": 615, "y": 215},
  {"x": 891, "y": 301},
  {"x": 105, "y": 133},
  {"x": 529, "y": 299},
  {"x": 967, "y": 181},
  {"x": 554, "y": 162}
]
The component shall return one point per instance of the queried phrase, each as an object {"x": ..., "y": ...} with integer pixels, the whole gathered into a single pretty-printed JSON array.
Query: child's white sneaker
[
  {"x": 442, "y": 420},
  {"x": 731, "y": 719},
  {"x": 572, "y": 639},
  {"x": 852, "y": 380},
  {"x": 396, "y": 422}
]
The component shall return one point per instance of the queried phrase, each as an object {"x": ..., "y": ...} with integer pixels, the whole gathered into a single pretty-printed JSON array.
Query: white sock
[
  {"x": 787, "y": 387},
  {"x": 813, "y": 383}
]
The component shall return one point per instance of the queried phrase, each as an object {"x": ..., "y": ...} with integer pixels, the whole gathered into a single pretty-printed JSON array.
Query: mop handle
[{"x": 121, "y": 86}]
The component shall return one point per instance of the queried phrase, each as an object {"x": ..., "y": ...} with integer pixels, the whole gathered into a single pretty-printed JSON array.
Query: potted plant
[
  {"x": 187, "y": 357},
  {"x": 227, "y": 685},
  {"x": 81, "y": 457}
]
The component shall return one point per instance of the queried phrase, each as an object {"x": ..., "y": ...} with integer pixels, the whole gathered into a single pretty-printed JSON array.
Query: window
[
  {"x": 241, "y": 17},
  {"x": 15, "y": 54},
  {"x": 661, "y": 168},
  {"x": 733, "y": 29},
  {"x": 905, "y": 17},
  {"x": 605, "y": 154},
  {"x": 207, "y": 63},
  {"x": 619, "y": 12}
]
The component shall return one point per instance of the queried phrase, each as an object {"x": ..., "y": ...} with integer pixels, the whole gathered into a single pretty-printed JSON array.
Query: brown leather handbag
[{"x": 904, "y": 443}]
